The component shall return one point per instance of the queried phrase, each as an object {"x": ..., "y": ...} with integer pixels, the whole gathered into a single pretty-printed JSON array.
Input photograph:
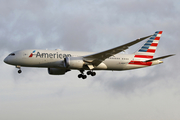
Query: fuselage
[{"x": 55, "y": 59}]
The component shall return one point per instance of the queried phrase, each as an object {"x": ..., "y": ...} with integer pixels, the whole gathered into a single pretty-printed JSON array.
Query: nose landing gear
[{"x": 19, "y": 67}]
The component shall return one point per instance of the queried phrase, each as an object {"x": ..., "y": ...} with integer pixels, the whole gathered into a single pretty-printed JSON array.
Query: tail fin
[{"x": 148, "y": 49}]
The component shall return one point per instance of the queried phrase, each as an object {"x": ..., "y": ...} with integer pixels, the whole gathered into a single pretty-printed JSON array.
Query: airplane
[{"x": 59, "y": 62}]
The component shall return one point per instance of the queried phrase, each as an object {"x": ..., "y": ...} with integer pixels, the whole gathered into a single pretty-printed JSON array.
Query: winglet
[{"x": 159, "y": 58}]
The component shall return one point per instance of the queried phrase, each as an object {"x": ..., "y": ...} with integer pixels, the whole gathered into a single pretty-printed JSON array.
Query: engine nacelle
[
  {"x": 73, "y": 62},
  {"x": 57, "y": 71}
]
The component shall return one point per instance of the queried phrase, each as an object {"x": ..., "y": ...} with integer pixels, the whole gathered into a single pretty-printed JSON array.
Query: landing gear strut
[{"x": 19, "y": 67}]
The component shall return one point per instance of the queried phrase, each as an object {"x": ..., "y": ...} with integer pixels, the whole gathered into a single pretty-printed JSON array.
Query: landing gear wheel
[
  {"x": 93, "y": 73},
  {"x": 19, "y": 71},
  {"x": 88, "y": 72},
  {"x": 84, "y": 77},
  {"x": 80, "y": 76}
]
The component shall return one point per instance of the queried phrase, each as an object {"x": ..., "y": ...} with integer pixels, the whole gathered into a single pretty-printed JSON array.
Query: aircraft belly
[
  {"x": 114, "y": 65},
  {"x": 129, "y": 66},
  {"x": 39, "y": 62}
]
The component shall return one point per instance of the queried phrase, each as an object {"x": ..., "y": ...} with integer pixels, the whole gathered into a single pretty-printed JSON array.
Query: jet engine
[
  {"x": 57, "y": 71},
  {"x": 73, "y": 62}
]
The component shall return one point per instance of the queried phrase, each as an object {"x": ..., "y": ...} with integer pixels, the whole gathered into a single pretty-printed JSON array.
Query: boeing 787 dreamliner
[{"x": 59, "y": 62}]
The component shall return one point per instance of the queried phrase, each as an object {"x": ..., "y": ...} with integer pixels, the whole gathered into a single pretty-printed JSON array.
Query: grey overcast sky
[{"x": 89, "y": 25}]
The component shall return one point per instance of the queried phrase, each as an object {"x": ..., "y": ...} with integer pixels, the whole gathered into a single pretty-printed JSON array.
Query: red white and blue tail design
[{"x": 148, "y": 49}]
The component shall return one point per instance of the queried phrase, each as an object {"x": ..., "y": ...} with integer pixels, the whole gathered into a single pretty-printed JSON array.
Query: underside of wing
[{"x": 96, "y": 59}]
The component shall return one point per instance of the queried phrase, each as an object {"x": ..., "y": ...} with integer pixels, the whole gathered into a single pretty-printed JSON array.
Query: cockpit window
[{"x": 12, "y": 54}]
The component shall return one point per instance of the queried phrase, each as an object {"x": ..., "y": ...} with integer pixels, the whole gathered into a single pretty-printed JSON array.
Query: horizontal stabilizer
[{"x": 159, "y": 58}]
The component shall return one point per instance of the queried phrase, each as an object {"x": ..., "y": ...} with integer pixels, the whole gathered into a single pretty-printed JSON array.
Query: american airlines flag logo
[
  {"x": 146, "y": 52},
  {"x": 151, "y": 45},
  {"x": 32, "y": 53}
]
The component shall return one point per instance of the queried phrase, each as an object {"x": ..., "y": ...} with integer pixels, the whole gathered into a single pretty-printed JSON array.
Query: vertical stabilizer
[{"x": 149, "y": 48}]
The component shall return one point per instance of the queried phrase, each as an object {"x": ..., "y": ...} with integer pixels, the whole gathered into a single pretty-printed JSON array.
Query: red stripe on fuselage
[
  {"x": 143, "y": 56},
  {"x": 140, "y": 63}
]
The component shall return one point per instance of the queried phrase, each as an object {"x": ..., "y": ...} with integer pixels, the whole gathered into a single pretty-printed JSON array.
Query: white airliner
[{"x": 59, "y": 62}]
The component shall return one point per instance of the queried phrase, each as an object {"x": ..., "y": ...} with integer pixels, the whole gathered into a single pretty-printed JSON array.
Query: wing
[{"x": 96, "y": 59}]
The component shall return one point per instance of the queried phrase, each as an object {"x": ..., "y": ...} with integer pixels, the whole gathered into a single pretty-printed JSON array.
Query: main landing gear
[
  {"x": 91, "y": 73},
  {"x": 83, "y": 76},
  {"x": 19, "y": 67}
]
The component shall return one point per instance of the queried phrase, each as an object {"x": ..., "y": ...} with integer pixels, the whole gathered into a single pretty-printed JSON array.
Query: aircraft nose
[{"x": 6, "y": 60}]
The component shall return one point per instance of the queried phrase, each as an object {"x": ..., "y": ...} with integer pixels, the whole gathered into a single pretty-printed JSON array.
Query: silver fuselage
[{"x": 55, "y": 59}]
